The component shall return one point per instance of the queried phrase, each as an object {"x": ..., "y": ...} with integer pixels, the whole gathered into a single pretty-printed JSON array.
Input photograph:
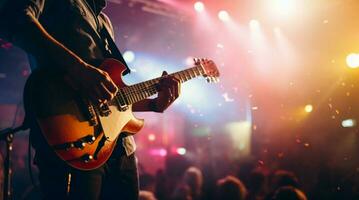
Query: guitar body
[{"x": 79, "y": 135}]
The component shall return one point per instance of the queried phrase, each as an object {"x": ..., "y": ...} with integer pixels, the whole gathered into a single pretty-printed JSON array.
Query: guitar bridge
[
  {"x": 88, "y": 110},
  {"x": 123, "y": 108}
]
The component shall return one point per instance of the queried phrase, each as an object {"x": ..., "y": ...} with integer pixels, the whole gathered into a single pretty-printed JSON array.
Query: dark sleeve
[{"x": 14, "y": 14}]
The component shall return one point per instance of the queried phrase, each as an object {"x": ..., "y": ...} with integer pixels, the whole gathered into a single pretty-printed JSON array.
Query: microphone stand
[{"x": 7, "y": 135}]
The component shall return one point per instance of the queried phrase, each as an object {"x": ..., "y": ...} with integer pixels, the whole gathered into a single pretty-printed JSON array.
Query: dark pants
[{"x": 116, "y": 179}]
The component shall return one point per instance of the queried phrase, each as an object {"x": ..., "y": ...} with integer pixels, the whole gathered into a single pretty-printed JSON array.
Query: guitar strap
[{"x": 115, "y": 52}]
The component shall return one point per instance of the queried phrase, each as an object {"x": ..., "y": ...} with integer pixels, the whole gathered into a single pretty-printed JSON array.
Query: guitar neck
[{"x": 140, "y": 91}]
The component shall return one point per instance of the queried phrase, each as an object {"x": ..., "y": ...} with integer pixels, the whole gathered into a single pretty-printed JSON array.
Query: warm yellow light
[
  {"x": 284, "y": 7},
  {"x": 308, "y": 108},
  {"x": 353, "y": 60}
]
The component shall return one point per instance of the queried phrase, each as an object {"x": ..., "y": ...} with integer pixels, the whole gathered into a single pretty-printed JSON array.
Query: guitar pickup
[{"x": 105, "y": 110}]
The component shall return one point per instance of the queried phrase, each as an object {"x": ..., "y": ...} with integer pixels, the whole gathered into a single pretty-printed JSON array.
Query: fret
[
  {"x": 195, "y": 72},
  {"x": 179, "y": 76},
  {"x": 137, "y": 92},
  {"x": 129, "y": 96},
  {"x": 132, "y": 95},
  {"x": 200, "y": 70},
  {"x": 146, "y": 89},
  {"x": 125, "y": 92},
  {"x": 185, "y": 76},
  {"x": 191, "y": 74},
  {"x": 150, "y": 91},
  {"x": 184, "y": 79},
  {"x": 121, "y": 97},
  {"x": 129, "y": 93},
  {"x": 142, "y": 91},
  {"x": 188, "y": 76}
]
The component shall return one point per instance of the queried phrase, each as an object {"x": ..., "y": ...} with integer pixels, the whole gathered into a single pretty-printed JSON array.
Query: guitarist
[{"x": 65, "y": 36}]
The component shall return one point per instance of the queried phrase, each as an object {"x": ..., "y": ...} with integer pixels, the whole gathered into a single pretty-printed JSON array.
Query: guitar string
[
  {"x": 136, "y": 91},
  {"x": 131, "y": 92}
]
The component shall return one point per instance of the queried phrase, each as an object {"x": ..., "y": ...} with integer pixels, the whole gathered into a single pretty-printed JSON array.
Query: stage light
[
  {"x": 353, "y": 60},
  {"x": 240, "y": 133},
  {"x": 199, "y": 6},
  {"x": 348, "y": 123},
  {"x": 163, "y": 152},
  {"x": 151, "y": 137},
  {"x": 283, "y": 7},
  {"x": 159, "y": 152},
  {"x": 224, "y": 16},
  {"x": 254, "y": 24},
  {"x": 189, "y": 61},
  {"x": 129, "y": 56},
  {"x": 308, "y": 108},
  {"x": 277, "y": 31},
  {"x": 181, "y": 151}
]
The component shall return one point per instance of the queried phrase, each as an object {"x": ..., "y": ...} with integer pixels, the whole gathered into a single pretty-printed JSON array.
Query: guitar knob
[
  {"x": 87, "y": 158},
  {"x": 70, "y": 146},
  {"x": 92, "y": 140},
  {"x": 80, "y": 145}
]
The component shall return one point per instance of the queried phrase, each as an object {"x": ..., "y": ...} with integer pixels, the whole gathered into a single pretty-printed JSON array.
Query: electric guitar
[{"x": 82, "y": 133}]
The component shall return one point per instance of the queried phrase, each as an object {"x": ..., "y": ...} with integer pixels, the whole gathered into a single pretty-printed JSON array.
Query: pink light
[
  {"x": 151, "y": 137},
  {"x": 158, "y": 152},
  {"x": 163, "y": 152}
]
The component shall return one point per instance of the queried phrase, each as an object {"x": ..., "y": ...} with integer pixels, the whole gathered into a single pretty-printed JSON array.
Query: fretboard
[{"x": 140, "y": 91}]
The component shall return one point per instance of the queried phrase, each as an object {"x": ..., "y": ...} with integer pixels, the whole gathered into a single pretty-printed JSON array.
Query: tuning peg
[
  {"x": 196, "y": 61},
  {"x": 217, "y": 80},
  {"x": 208, "y": 79}
]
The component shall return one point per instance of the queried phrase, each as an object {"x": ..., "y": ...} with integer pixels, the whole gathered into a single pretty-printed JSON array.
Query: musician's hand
[
  {"x": 92, "y": 82},
  {"x": 169, "y": 90}
]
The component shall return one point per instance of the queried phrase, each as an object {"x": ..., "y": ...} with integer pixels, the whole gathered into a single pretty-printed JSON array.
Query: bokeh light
[
  {"x": 181, "y": 151},
  {"x": 129, "y": 56},
  {"x": 283, "y": 7},
  {"x": 224, "y": 16},
  {"x": 308, "y": 108},
  {"x": 349, "y": 123},
  {"x": 353, "y": 60},
  {"x": 254, "y": 24},
  {"x": 151, "y": 137},
  {"x": 199, "y": 6}
]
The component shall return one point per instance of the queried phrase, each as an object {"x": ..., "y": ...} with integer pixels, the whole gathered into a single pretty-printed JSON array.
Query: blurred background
[{"x": 287, "y": 98}]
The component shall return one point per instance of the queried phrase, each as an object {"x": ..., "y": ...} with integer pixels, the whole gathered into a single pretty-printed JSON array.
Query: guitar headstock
[{"x": 209, "y": 68}]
